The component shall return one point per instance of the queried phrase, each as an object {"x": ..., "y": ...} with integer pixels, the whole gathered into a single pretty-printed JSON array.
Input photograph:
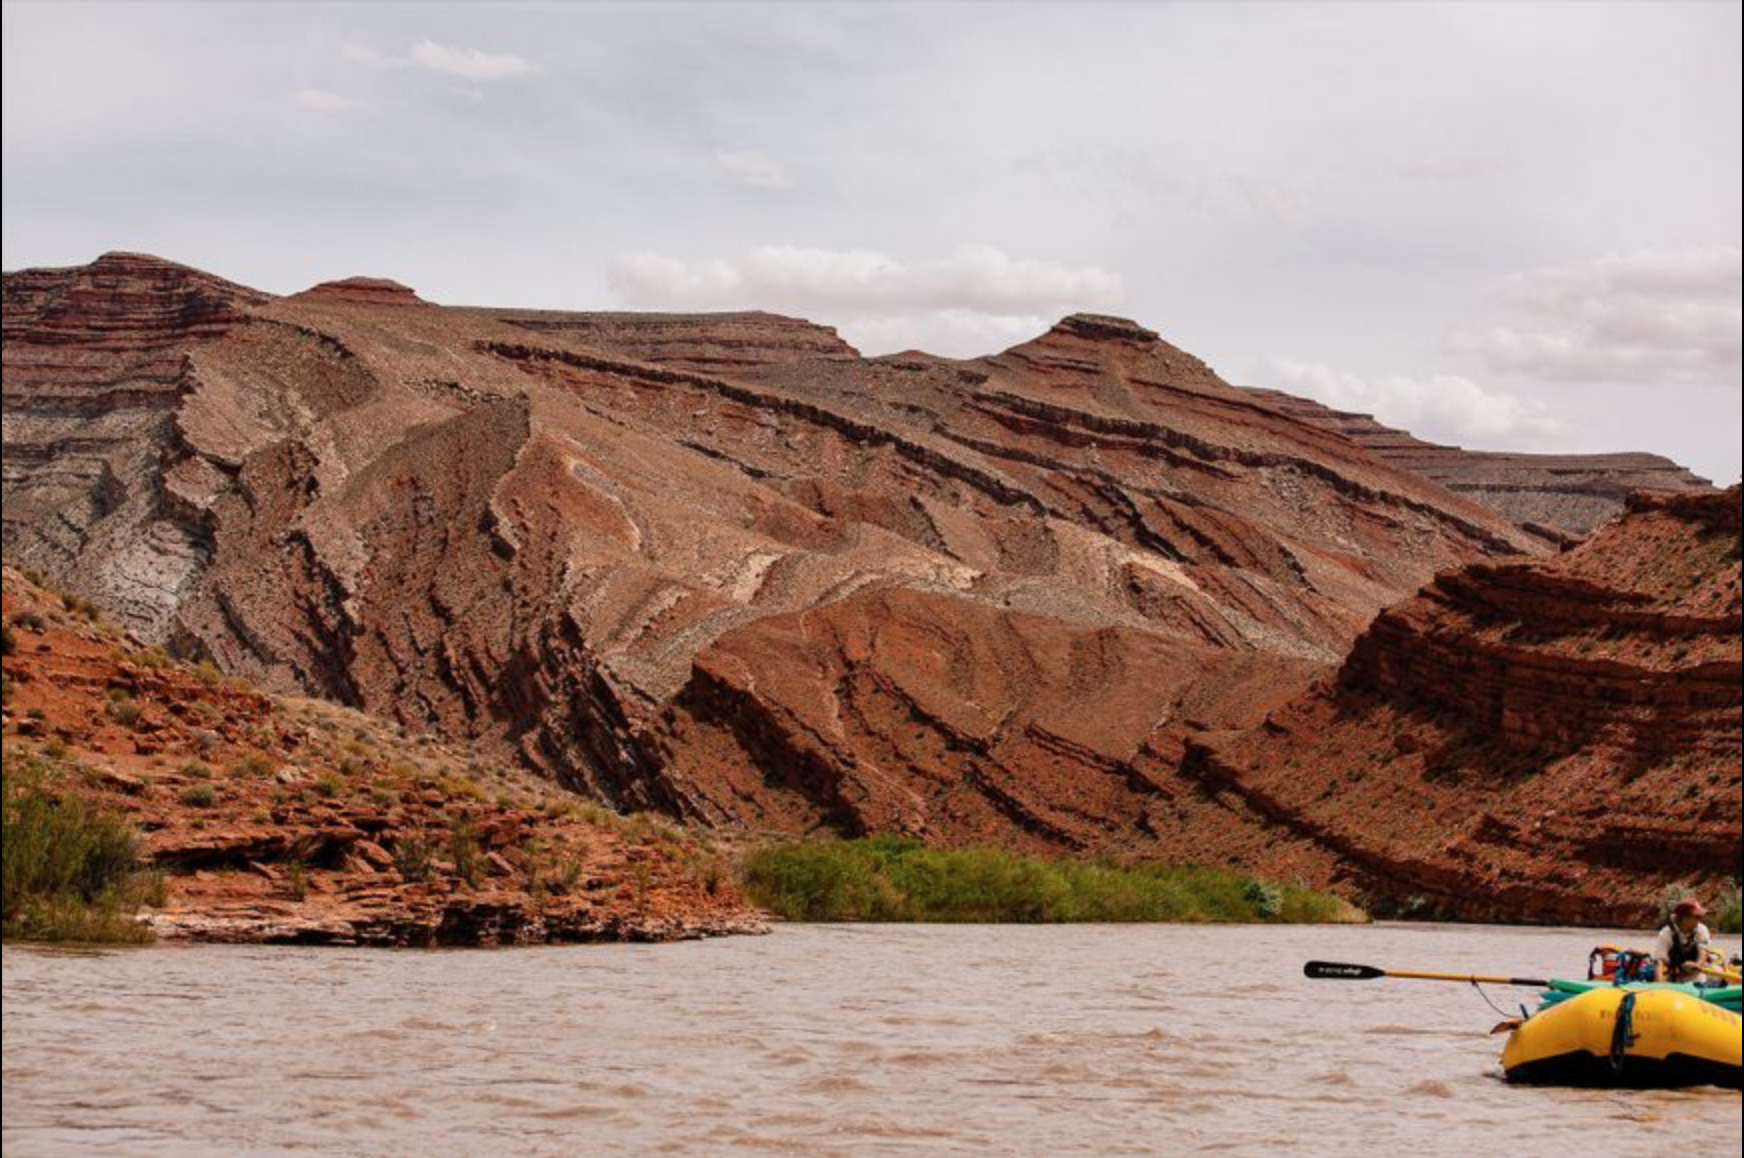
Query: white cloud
[
  {"x": 972, "y": 277},
  {"x": 318, "y": 101},
  {"x": 470, "y": 63},
  {"x": 1652, "y": 316},
  {"x": 749, "y": 167},
  {"x": 951, "y": 333},
  {"x": 1441, "y": 408},
  {"x": 467, "y": 63},
  {"x": 974, "y": 295}
]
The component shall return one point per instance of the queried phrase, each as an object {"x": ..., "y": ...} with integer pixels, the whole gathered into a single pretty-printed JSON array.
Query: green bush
[
  {"x": 897, "y": 879},
  {"x": 412, "y": 857},
  {"x": 199, "y": 795},
  {"x": 70, "y": 871},
  {"x": 465, "y": 850},
  {"x": 1727, "y": 916}
]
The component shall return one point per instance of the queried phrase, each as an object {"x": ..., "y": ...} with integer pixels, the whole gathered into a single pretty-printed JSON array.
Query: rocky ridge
[{"x": 1558, "y": 497}]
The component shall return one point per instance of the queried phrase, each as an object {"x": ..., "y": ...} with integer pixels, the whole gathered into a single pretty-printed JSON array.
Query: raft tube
[
  {"x": 1726, "y": 997},
  {"x": 1631, "y": 1035}
]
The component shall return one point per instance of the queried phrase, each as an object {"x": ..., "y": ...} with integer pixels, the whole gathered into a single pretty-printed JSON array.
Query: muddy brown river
[{"x": 817, "y": 1039}]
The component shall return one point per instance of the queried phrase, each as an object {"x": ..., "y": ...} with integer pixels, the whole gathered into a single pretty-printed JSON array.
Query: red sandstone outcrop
[
  {"x": 363, "y": 291},
  {"x": 708, "y": 343},
  {"x": 721, "y": 566},
  {"x": 1560, "y": 497},
  {"x": 295, "y": 821},
  {"x": 1557, "y": 740}
]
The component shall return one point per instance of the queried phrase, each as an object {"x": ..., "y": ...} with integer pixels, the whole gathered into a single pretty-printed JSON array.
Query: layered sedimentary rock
[
  {"x": 1557, "y": 739},
  {"x": 295, "y": 821},
  {"x": 721, "y": 565},
  {"x": 709, "y": 343},
  {"x": 1559, "y": 497}
]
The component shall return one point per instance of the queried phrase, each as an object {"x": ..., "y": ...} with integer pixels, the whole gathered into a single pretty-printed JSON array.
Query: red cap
[{"x": 1691, "y": 906}]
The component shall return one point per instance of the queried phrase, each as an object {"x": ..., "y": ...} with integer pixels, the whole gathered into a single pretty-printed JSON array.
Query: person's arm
[{"x": 1662, "y": 954}]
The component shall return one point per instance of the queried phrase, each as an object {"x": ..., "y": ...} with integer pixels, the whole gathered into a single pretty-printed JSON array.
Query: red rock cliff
[{"x": 1558, "y": 739}]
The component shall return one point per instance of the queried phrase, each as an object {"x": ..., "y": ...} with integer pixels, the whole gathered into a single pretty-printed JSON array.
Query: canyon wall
[
  {"x": 1560, "y": 739},
  {"x": 722, "y": 565}
]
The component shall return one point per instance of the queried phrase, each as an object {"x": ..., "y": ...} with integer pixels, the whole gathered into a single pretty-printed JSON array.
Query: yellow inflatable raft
[{"x": 1628, "y": 1035}]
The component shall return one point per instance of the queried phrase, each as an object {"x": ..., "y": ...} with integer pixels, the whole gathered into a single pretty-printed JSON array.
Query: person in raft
[{"x": 1682, "y": 944}]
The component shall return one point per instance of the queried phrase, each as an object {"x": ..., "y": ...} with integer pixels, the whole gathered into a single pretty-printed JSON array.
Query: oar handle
[
  {"x": 1731, "y": 975},
  {"x": 1340, "y": 971}
]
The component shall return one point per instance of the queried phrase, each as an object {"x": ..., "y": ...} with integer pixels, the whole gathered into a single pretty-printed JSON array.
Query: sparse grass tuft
[
  {"x": 200, "y": 795},
  {"x": 254, "y": 764},
  {"x": 125, "y": 711}
]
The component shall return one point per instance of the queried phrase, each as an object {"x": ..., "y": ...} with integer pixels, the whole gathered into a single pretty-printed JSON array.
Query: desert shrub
[
  {"x": 253, "y": 764},
  {"x": 80, "y": 608},
  {"x": 199, "y": 795},
  {"x": 329, "y": 784},
  {"x": 70, "y": 868},
  {"x": 1728, "y": 918},
  {"x": 296, "y": 880},
  {"x": 413, "y": 857},
  {"x": 465, "y": 850}
]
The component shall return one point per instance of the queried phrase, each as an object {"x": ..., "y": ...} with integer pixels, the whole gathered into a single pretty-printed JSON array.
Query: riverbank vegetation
[
  {"x": 889, "y": 878},
  {"x": 70, "y": 867},
  {"x": 1728, "y": 914}
]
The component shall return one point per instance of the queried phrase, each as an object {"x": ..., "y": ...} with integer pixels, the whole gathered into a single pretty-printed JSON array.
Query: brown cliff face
[
  {"x": 721, "y": 566},
  {"x": 363, "y": 291},
  {"x": 1557, "y": 740},
  {"x": 1558, "y": 497},
  {"x": 295, "y": 821},
  {"x": 707, "y": 343}
]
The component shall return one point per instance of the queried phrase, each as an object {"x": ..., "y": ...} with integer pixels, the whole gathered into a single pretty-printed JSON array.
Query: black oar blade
[{"x": 1336, "y": 971}]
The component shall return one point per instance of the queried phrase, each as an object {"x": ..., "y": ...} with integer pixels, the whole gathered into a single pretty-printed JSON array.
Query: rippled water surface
[{"x": 821, "y": 1039}]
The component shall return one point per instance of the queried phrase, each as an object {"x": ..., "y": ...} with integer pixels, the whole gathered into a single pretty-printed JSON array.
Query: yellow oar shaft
[
  {"x": 1421, "y": 976},
  {"x": 1478, "y": 978},
  {"x": 1729, "y": 974}
]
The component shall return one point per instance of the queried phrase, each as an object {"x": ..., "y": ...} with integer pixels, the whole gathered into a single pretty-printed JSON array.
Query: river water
[{"x": 816, "y": 1039}]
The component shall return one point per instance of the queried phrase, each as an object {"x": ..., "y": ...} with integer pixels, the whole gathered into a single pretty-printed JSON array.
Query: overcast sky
[{"x": 1500, "y": 225}]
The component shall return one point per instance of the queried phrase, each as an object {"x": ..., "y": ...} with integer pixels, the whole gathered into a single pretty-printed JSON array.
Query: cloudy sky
[{"x": 1500, "y": 225}]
